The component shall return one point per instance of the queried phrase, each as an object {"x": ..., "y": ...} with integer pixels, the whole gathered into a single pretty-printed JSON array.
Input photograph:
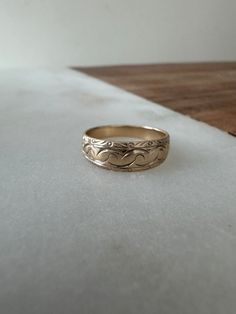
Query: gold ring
[{"x": 140, "y": 148}]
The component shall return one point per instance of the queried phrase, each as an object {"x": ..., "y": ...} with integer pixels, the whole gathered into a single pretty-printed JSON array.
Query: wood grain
[{"x": 204, "y": 91}]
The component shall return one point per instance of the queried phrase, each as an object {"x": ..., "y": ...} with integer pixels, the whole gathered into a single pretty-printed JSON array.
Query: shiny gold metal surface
[{"x": 144, "y": 148}]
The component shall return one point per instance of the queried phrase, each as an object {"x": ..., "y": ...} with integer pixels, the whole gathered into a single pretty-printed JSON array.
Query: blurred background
[{"x": 102, "y": 32}]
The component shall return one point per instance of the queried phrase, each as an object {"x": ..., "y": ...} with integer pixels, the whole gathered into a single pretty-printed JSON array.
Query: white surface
[
  {"x": 75, "y": 238},
  {"x": 79, "y": 32}
]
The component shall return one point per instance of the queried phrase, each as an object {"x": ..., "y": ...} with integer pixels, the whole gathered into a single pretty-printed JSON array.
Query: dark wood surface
[{"x": 204, "y": 91}]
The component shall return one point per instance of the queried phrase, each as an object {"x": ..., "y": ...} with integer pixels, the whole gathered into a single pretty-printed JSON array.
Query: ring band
[{"x": 149, "y": 150}]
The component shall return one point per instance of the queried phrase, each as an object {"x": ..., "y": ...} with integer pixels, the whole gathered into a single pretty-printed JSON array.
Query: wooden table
[{"x": 204, "y": 91}]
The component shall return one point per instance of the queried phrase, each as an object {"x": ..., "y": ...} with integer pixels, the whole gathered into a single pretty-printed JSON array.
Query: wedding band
[{"x": 148, "y": 149}]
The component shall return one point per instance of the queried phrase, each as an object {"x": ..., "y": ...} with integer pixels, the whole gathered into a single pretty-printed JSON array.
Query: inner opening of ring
[{"x": 126, "y": 131}]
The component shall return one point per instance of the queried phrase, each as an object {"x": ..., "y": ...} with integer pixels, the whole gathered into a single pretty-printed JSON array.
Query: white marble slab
[{"x": 75, "y": 238}]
